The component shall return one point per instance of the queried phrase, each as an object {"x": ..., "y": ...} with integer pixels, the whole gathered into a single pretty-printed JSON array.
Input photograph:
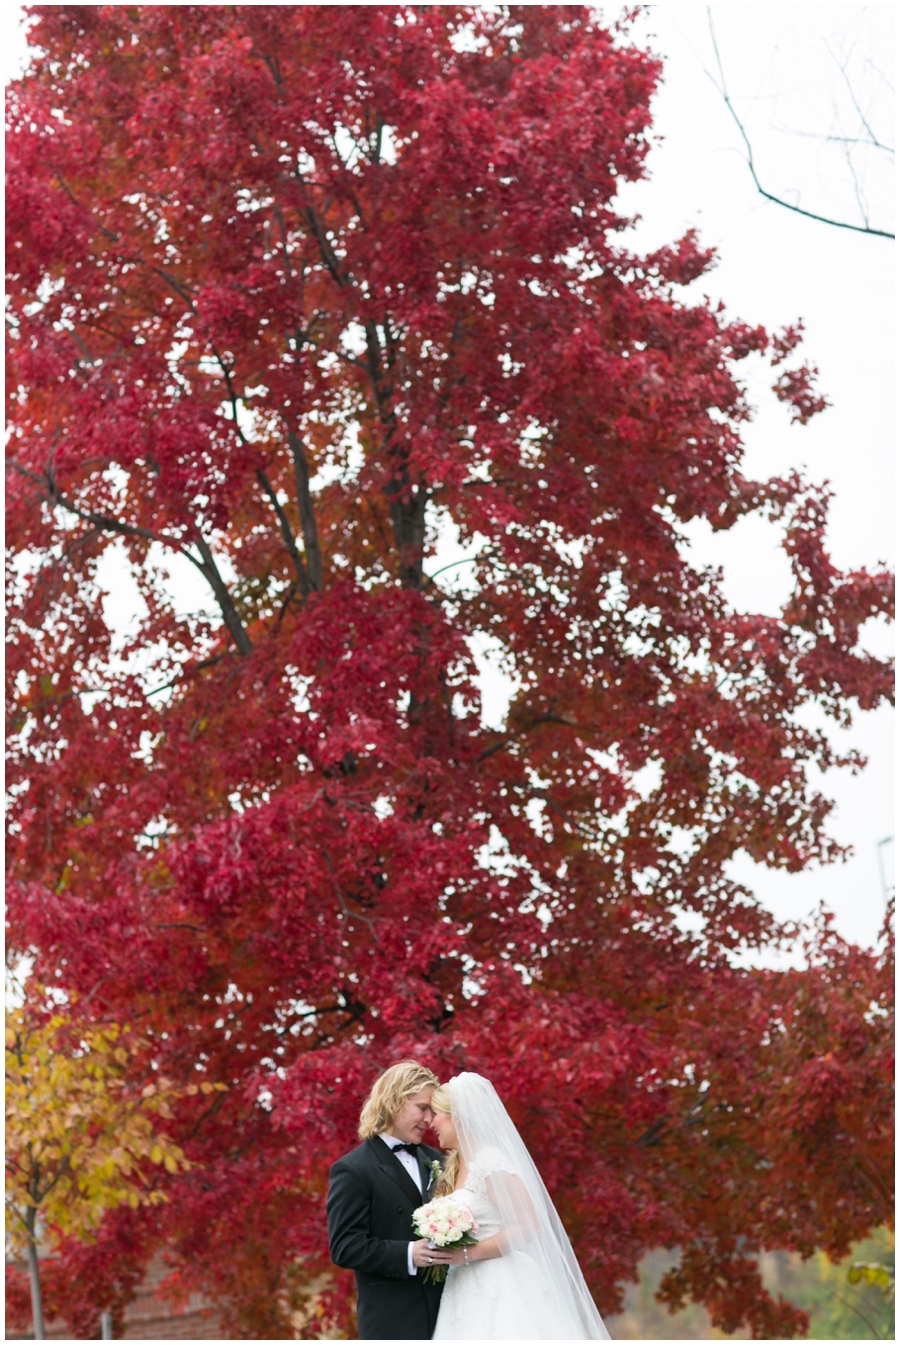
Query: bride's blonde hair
[{"x": 442, "y": 1101}]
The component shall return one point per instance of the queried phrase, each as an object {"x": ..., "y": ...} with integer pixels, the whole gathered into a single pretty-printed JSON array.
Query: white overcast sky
[{"x": 797, "y": 74}]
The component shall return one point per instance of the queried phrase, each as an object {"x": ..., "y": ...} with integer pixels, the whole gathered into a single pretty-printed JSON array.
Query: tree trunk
[
  {"x": 307, "y": 513},
  {"x": 34, "y": 1276},
  {"x": 408, "y": 519}
]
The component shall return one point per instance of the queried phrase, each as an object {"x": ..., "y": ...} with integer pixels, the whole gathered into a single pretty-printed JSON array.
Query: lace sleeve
[{"x": 485, "y": 1163}]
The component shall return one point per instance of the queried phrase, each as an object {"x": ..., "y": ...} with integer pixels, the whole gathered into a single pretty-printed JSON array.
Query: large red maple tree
[{"x": 297, "y": 293}]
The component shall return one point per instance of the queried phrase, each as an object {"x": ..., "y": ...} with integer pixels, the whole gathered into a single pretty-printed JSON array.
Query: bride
[{"x": 521, "y": 1280}]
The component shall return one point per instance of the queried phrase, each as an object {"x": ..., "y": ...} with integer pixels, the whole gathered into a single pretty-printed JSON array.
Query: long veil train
[{"x": 548, "y": 1276}]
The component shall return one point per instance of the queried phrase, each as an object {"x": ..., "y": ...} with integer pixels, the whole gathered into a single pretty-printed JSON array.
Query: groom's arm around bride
[{"x": 371, "y": 1198}]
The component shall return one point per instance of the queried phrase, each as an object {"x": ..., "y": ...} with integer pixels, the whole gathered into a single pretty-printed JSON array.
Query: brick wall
[{"x": 150, "y": 1317}]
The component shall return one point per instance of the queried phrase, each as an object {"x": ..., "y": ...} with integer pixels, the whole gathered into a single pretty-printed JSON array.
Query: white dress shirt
[{"x": 412, "y": 1167}]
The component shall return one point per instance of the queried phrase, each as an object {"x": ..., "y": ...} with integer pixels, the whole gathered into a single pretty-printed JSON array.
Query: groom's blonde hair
[{"x": 389, "y": 1093}]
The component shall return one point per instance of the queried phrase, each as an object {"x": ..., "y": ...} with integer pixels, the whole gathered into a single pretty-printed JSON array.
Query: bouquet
[{"x": 446, "y": 1222}]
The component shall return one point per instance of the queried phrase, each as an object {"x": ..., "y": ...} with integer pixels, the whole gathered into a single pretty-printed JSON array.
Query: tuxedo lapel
[{"x": 395, "y": 1170}]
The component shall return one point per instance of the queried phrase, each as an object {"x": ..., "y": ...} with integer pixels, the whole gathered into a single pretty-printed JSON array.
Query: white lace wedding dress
[{"x": 509, "y": 1297}]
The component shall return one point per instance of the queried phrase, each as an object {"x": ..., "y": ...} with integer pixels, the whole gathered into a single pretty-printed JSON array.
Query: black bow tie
[{"x": 407, "y": 1148}]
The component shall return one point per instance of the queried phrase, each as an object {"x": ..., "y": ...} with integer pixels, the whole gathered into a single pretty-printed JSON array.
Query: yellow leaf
[{"x": 73, "y": 1125}]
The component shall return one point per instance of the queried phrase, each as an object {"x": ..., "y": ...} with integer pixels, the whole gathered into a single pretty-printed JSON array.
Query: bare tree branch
[
  {"x": 873, "y": 139},
  {"x": 809, "y": 214}
]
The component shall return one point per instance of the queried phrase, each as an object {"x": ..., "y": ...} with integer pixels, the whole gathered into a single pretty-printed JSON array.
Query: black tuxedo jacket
[{"x": 371, "y": 1198}]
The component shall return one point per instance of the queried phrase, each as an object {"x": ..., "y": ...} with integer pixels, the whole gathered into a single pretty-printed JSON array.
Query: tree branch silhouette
[{"x": 769, "y": 196}]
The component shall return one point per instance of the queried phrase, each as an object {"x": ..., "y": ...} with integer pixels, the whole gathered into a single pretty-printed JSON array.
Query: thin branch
[
  {"x": 351, "y": 359},
  {"x": 430, "y": 578},
  {"x": 206, "y": 565},
  {"x": 223, "y": 597},
  {"x": 860, "y": 1314},
  {"x": 278, "y": 216},
  {"x": 569, "y": 821},
  {"x": 114, "y": 238},
  {"x": 327, "y": 252},
  {"x": 181, "y": 290},
  {"x": 349, "y": 915},
  {"x": 99, "y": 521},
  {"x": 198, "y": 667},
  {"x": 797, "y": 210},
  {"x": 873, "y": 139},
  {"x": 497, "y": 747},
  {"x": 542, "y": 719},
  {"x": 857, "y": 186},
  {"x": 834, "y": 139},
  {"x": 287, "y": 531}
]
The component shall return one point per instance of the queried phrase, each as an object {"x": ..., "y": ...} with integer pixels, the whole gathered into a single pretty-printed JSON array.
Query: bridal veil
[{"x": 533, "y": 1237}]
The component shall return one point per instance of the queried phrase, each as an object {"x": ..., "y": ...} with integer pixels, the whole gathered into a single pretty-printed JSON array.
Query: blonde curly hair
[
  {"x": 441, "y": 1100},
  {"x": 389, "y": 1092}
]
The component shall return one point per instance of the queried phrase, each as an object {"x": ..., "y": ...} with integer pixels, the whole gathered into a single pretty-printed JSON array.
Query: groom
[{"x": 373, "y": 1192}]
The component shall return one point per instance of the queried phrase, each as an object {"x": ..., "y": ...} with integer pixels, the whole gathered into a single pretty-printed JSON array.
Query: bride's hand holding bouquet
[{"x": 447, "y": 1223}]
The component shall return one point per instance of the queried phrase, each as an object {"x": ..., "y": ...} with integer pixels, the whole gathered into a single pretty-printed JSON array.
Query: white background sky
[{"x": 783, "y": 66}]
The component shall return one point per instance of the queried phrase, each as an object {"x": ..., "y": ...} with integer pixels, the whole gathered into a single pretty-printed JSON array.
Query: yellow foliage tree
[{"x": 80, "y": 1134}]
